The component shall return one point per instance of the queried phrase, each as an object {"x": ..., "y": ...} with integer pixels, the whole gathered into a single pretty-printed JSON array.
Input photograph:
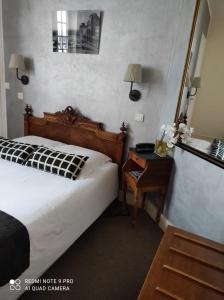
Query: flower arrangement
[
  {"x": 174, "y": 133},
  {"x": 185, "y": 133},
  {"x": 171, "y": 134}
]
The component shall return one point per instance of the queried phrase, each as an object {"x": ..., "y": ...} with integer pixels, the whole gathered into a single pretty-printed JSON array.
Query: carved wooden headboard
[{"x": 71, "y": 127}]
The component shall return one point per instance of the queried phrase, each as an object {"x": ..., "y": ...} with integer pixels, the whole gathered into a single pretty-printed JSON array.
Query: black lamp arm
[
  {"x": 134, "y": 95},
  {"x": 24, "y": 79},
  {"x": 17, "y": 74},
  {"x": 192, "y": 95},
  {"x": 131, "y": 86}
]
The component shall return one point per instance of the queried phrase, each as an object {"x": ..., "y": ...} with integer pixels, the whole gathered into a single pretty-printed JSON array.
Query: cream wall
[{"x": 207, "y": 118}]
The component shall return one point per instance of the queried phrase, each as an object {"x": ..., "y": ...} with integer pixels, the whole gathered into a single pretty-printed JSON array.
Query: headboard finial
[
  {"x": 124, "y": 128},
  {"x": 28, "y": 110}
]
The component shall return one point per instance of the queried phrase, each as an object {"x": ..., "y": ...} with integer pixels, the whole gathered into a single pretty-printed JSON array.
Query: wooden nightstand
[{"x": 146, "y": 172}]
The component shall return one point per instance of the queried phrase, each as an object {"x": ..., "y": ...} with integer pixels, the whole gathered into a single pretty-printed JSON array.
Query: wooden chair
[{"x": 145, "y": 174}]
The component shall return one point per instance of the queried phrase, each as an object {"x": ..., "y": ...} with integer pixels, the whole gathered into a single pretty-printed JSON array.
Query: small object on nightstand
[
  {"x": 161, "y": 148},
  {"x": 146, "y": 172},
  {"x": 145, "y": 147}
]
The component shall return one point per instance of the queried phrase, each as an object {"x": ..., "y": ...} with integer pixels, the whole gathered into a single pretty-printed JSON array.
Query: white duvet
[{"x": 55, "y": 210}]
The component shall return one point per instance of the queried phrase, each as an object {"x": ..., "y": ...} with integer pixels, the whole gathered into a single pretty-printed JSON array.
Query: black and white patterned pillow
[
  {"x": 15, "y": 151},
  {"x": 217, "y": 149},
  {"x": 56, "y": 162}
]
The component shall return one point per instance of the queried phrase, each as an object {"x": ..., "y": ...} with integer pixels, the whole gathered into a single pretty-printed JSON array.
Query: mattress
[{"x": 55, "y": 210}]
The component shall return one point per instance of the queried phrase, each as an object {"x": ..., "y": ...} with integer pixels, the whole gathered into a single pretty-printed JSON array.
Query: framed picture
[{"x": 76, "y": 31}]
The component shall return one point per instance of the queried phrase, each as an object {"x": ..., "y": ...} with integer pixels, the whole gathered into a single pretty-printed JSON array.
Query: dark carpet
[{"x": 108, "y": 262}]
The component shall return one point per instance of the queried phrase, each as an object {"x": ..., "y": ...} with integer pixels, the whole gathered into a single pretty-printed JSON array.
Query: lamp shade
[
  {"x": 133, "y": 73},
  {"x": 196, "y": 82},
  {"x": 16, "y": 62}
]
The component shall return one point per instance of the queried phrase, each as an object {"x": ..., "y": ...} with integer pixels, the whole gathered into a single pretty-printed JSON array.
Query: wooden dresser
[{"x": 186, "y": 267}]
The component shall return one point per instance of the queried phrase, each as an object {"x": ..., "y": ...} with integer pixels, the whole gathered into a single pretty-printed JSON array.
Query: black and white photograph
[{"x": 76, "y": 31}]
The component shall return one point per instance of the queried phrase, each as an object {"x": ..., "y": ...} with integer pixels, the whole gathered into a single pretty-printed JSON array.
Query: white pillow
[
  {"x": 96, "y": 159},
  {"x": 37, "y": 140}
]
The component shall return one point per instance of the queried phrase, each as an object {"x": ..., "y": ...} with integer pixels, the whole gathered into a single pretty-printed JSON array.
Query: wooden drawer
[
  {"x": 186, "y": 266},
  {"x": 141, "y": 162}
]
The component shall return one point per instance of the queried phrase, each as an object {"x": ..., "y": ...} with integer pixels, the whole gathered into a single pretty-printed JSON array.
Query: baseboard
[
  {"x": 164, "y": 223},
  {"x": 151, "y": 210}
]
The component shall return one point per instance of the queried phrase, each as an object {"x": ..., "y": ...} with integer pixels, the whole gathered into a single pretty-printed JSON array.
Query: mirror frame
[{"x": 183, "y": 146}]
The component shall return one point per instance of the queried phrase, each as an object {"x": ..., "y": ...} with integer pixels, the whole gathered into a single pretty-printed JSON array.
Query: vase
[{"x": 161, "y": 148}]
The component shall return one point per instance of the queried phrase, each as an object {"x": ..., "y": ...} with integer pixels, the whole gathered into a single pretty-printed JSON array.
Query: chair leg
[{"x": 135, "y": 208}]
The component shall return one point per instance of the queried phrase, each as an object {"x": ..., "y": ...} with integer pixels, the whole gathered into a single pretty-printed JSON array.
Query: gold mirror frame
[{"x": 186, "y": 147}]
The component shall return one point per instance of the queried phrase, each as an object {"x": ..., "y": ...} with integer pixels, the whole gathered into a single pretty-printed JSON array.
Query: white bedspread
[{"x": 55, "y": 210}]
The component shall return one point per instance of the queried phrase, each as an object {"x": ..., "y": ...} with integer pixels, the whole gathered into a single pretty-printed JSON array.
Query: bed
[
  {"x": 201, "y": 144},
  {"x": 54, "y": 209}
]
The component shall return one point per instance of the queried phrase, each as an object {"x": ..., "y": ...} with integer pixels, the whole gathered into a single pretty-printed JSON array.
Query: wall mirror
[{"x": 201, "y": 100}]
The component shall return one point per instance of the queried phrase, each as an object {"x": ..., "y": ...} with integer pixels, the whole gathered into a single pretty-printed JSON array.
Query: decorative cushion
[
  {"x": 217, "y": 149},
  {"x": 56, "y": 162},
  {"x": 96, "y": 159},
  {"x": 15, "y": 151}
]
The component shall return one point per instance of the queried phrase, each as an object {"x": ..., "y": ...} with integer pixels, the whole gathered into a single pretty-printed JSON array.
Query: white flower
[
  {"x": 185, "y": 138},
  {"x": 170, "y": 145},
  {"x": 182, "y": 127},
  {"x": 170, "y": 131},
  {"x": 172, "y": 142}
]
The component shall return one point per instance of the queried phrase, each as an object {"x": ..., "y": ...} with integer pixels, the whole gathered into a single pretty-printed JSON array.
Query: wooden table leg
[
  {"x": 135, "y": 208},
  {"x": 143, "y": 200},
  {"x": 161, "y": 204},
  {"x": 124, "y": 199}
]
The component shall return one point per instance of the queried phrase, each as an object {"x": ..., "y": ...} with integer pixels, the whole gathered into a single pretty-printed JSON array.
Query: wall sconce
[
  {"x": 134, "y": 74},
  {"x": 190, "y": 84},
  {"x": 196, "y": 84},
  {"x": 17, "y": 62}
]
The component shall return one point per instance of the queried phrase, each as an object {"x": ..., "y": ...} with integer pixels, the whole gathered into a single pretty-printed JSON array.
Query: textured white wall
[
  {"x": 151, "y": 32},
  {"x": 197, "y": 196}
]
